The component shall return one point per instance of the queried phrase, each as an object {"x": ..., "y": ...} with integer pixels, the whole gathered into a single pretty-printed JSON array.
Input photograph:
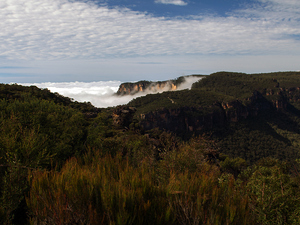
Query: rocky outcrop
[
  {"x": 184, "y": 120},
  {"x": 192, "y": 119},
  {"x": 159, "y": 86},
  {"x": 144, "y": 86},
  {"x": 291, "y": 94},
  {"x": 122, "y": 116}
]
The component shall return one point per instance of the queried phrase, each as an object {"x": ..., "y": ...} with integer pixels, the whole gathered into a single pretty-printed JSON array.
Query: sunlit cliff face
[
  {"x": 155, "y": 87},
  {"x": 161, "y": 87},
  {"x": 152, "y": 88}
]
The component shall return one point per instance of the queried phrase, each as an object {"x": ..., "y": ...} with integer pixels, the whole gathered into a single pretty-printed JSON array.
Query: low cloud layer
[{"x": 100, "y": 94}]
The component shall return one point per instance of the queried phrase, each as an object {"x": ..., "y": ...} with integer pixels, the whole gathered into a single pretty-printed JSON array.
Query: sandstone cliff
[
  {"x": 214, "y": 102},
  {"x": 153, "y": 87},
  {"x": 192, "y": 119},
  {"x": 143, "y": 86},
  {"x": 185, "y": 120}
]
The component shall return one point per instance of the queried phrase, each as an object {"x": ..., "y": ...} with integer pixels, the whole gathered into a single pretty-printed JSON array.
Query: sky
[{"x": 131, "y": 40}]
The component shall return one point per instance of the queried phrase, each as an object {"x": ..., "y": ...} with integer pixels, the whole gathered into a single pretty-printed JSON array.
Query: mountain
[{"x": 248, "y": 115}]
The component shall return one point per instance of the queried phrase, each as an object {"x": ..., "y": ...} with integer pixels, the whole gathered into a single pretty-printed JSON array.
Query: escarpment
[
  {"x": 183, "y": 120},
  {"x": 143, "y": 86},
  {"x": 248, "y": 116},
  {"x": 122, "y": 116},
  {"x": 153, "y": 86},
  {"x": 216, "y": 102}
]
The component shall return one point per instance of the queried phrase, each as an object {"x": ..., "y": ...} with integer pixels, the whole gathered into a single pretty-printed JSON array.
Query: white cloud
[
  {"x": 172, "y": 2},
  {"x": 282, "y": 2},
  {"x": 282, "y": 11},
  {"x": 60, "y": 30},
  {"x": 100, "y": 94}
]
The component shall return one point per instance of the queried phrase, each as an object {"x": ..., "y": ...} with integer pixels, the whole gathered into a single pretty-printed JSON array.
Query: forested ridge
[
  {"x": 248, "y": 115},
  {"x": 231, "y": 157}
]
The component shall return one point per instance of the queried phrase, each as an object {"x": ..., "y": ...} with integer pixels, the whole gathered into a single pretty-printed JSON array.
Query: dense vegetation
[
  {"x": 64, "y": 162},
  {"x": 273, "y": 132},
  {"x": 224, "y": 87},
  {"x": 177, "y": 99},
  {"x": 251, "y": 129}
]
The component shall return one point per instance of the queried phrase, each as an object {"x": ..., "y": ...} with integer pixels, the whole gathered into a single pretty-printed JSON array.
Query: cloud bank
[
  {"x": 172, "y": 2},
  {"x": 60, "y": 29},
  {"x": 100, "y": 94}
]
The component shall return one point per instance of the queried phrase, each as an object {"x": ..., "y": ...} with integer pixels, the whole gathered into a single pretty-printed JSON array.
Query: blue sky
[
  {"x": 171, "y": 9},
  {"x": 129, "y": 40}
]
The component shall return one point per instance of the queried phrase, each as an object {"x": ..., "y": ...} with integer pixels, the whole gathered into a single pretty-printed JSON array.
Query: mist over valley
[{"x": 104, "y": 93}]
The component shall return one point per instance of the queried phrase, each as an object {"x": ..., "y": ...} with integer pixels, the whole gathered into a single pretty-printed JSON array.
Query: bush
[{"x": 109, "y": 191}]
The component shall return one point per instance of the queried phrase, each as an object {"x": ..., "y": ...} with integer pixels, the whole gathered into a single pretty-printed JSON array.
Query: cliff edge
[{"x": 154, "y": 86}]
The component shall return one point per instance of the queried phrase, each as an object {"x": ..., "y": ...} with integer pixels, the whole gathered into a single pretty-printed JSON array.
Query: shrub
[{"x": 108, "y": 191}]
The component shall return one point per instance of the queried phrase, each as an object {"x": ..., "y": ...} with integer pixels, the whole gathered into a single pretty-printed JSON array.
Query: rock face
[
  {"x": 185, "y": 120},
  {"x": 122, "y": 116},
  {"x": 182, "y": 119},
  {"x": 149, "y": 86},
  {"x": 192, "y": 119},
  {"x": 189, "y": 119},
  {"x": 143, "y": 86}
]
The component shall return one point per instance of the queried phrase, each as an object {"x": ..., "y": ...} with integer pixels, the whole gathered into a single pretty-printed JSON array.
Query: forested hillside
[
  {"x": 224, "y": 152},
  {"x": 248, "y": 115}
]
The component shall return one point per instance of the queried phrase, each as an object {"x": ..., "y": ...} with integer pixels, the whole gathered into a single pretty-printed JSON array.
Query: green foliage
[
  {"x": 62, "y": 164},
  {"x": 233, "y": 165},
  {"x": 100, "y": 133},
  {"x": 242, "y": 85},
  {"x": 193, "y": 156},
  {"x": 103, "y": 135},
  {"x": 252, "y": 129},
  {"x": 177, "y": 99},
  {"x": 200, "y": 198},
  {"x": 22, "y": 149},
  {"x": 58, "y": 129},
  {"x": 12, "y": 92},
  {"x": 35, "y": 133},
  {"x": 101, "y": 189},
  {"x": 262, "y": 136},
  {"x": 274, "y": 195}
]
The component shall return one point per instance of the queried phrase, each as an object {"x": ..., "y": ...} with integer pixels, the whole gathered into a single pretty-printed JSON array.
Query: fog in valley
[{"x": 102, "y": 93}]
